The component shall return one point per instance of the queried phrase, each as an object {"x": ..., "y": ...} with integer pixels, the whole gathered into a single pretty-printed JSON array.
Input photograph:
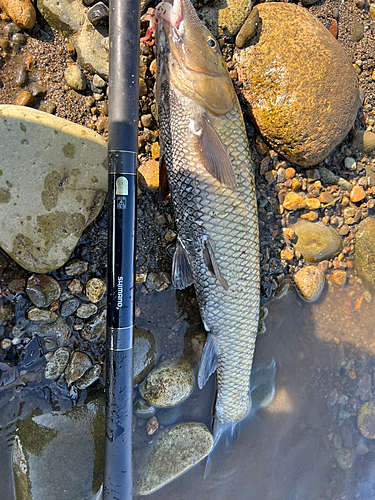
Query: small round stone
[
  {"x": 75, "y": 286},
  {"x": 357, "y": 194},
  {"x": 25, "y": 98},
  {"x": 76, "y": 266},
  {"x": 86, "y": 310},
  {"x": 143, "y": 409},
  {"x": 152, "y": 426},
  {"x": 309, "y": 283},
  {"x": 339, "y": 277},
  {"x": 95, "y": 329},
  {"x": 294, "y": 201},
  {"x": 344, "y": 458},
  {"x": 57, "y": 363},
  {"x": 5, "y": 344},
  {"x": 315, "y": 241},
  {"x": 98, "y": 82},
  {"x": 95, "y": 289},
  {"x": 148, "y": 175},
  {"x": 78, "y": 365},
  {"x": 89, "y": 377},
  {"x": 75, "y": 78},
  {"x": 366, "y": 419},
  {"x": 350, "y": 163},
  {"x": 42, "y": 290},
  {"x": 41, "y": 315},
  {"x": 69, "y": 306}
]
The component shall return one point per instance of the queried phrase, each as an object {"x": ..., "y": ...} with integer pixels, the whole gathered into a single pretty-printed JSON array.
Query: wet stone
[
  {"x": 89, "y": 377},
  {"x": 42, "y": 290},
  {"x": 152, "y": 426},
  {"x": 309, "y": 283},
  {"x": 344, "y": 458},
  {"x": 75, "y": 78},
  {"x": 143, "y": 409},
  {"x": 75, "y": 286},
  {"x": 59, "y": 331},
  {"x": 365, "y": 252},
  {"x": 42, "y": 315},
  {"x": 179, "y": 449},
  {"x": 95, "y": 289},
  {"x": 25, "y": 98},
  {"x": 338, "y": 277},
  {"x": 169, "y": 384},
  {"x": 57, "y": 363},
  {"x": 86, "y": 310},
  {"x": 69, "y": 306},
  {"x": 315, "y": 241},
  {"x": 366, "y": 419},
  {"x": 78, "y": 365},
  {"x": 144, "y": 354},
  {"x": 9, "y": 374},
  {"x": 76, "y": 266},
  {"x": 95, "y": 329}
]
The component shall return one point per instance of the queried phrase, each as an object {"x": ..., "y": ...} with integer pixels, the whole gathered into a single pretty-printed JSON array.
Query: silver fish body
[{"x": 217, "y": 224}]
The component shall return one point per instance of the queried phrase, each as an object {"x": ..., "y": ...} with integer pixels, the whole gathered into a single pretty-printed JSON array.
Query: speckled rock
[
  {"x": 344, "y": 458},
  {"x": 309, "y": 282},
  {"x": 299, "y": 83},
  {"x": 75, "y": 78},
  {"x": 21, "y": 12},
  {"x": 95, "y": 289},
  {"x": 78, "y": 365},
  {"x": 144, "y": 354},
  {"x": 57, "y": 363},
  {"x": 95, "y": 328},
  {"x": 315, "y": 241},
  {"x": 76, "y": 266},
  {"x": 365, "y": 252},
  {"x": 179, "y": 449},
  {"x": 60, "y": 330},
  {"x": 86, "y": 310},
  {"x": 55, "y": 192},
  {"x": 41, "y": 315},
  {"x": 42, "y": 290},
  {"x": 366, "y": 419},
  {"x": 168, "y": 384},
  {"x": 225, "y": 16},
  {"x": 89, "y": 377}
]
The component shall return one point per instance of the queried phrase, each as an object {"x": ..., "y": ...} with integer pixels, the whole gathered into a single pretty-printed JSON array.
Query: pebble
[
  {"x": 75, "y": 286},
  {"x": 22, "y": 12},
  {"x": 350, "y": 163},
  {"x": 41, "y": 315},
  {"x": 57, "y": 363},
  {"x": 21, "y": 77},
  {"x": 76, "y": 266},
  {"x": 313, "y": 203},
  {"x": 315, "y": 241},
  {"x": 357, "y": 194},
  {"x": 60, "y": 331},
  {"x": 142, "y": 88},
  {"x": 95, "y": 290},
  {"x": 155, "y": 151},
  {"x": 48, "y": 107},
  {"x": 25, "y": 98},
  {"x": 142, "y": 409},
  {"x": 98, "y": 14},
  {"x": 98, "y": 81},
  {"x": 78, "y": 365},
  {"x": 309, "y": 283},
  {"x": 69, "y": 306},
  {"x": 169, "y": 384},
  {"x": 75, "y": 78},
  {"x": 86, "y": 310},
  {"x": 338, "y": 277},
  {"x": 366, "y": 419},
  {"x": 294, "y": 201},
  {"x": 175, "y": 452},
  {"x": 357, "y": 31},
  {"x": 152, "y": 426},
  {"x": 364, "y": 140},
  {"x": 89, "y": 377},
  {"x": 147, "y": 120},
  {"x": 248, "y": 29},
  {"x": 287, "y": 253},
  {"x": 365, "y": 252},
  {"x": 344, "y": 458},
  {"x": 94, "y": 330},
  {"x": 148, "y": 175},
  {"x": 42, "y": 290},
  {"x": 102, "y": 124},
  {"x": 144, "y": 354},
  {"x": 5, "y": 344}
]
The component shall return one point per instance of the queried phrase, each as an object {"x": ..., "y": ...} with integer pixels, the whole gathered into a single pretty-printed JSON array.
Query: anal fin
[{"x": 182, "y": 276}]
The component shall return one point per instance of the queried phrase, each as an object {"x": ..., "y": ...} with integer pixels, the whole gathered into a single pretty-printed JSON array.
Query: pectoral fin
[
  {"x": 182, "y": 276},
  {"x": 212, "y": 153},
  {"x": 211, "y": 263},
  {"x": 208, "y": 361}
]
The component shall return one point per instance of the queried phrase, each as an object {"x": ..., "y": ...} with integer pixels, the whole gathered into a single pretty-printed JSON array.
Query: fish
[{"x": 206, "y": 159}]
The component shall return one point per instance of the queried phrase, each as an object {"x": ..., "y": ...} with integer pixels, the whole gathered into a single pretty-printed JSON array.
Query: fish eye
[{"x": 211, "y": 42}]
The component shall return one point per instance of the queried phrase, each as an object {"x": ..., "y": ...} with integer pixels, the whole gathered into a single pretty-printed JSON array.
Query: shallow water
[{"x": 288, "y": 452}]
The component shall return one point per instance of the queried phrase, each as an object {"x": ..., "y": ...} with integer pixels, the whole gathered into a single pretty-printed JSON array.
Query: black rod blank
[{"x": 122, "y": 170}]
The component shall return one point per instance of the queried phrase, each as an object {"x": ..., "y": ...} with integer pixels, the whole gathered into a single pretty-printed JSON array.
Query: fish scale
[{"x": 206, "y": 208}]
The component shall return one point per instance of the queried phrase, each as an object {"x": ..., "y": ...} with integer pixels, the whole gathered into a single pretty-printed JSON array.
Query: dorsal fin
[
  {"x": 182, "y": 276},
  {"x": 211, "y": 151},
  {"x": 209, "y": 258}
]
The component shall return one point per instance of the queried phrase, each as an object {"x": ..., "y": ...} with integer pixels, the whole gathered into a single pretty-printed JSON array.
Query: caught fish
[{"x": 205, "y": 152}]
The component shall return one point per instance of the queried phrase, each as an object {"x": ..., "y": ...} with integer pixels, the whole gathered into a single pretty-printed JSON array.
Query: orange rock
[
  {"x": 21, "y": 12},
  {"x": 294, "y": 201},
  {"x": 287, "y": 253},
  {"x": 155, "y": 151},
  {"x": 313, "y": 203},
  {"x": 148, "y": 175},
  {"x": 25, "y": 98},
  {"x": 339, "y": 277},
  {"x": 357, "y": 194},
  {"x": 296, "y": 184},
  {"x": 288, "y": 232},
  {"x": 290, "y": 173},
  {"x": 311, "y": 216},
  {"x": 333, "y": 28}
]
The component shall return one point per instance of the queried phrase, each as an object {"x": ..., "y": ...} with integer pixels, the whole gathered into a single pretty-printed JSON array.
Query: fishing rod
[{"x": 124, "y": 25}]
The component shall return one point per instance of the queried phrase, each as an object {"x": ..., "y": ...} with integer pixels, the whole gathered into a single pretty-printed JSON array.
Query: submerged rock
[
  {"x": 56, "y": 191},
  {"x": 42, "y": 290},
  {"x": 299, "y": 83},
  {"x": 144, "y": 354},
  {"x": 315, "y": 241},
  {"x": 365, "y": 252},
  {"x": 79, "y": 364},
  {"x": 309, "y": 283},
  {"x": 366, "y": 419},
  {"x": 179, "y": 449},
  {"x": 168, "y": 384},
  {"x": 57, "y": 363},
  {"x": 89, "y": 377}
]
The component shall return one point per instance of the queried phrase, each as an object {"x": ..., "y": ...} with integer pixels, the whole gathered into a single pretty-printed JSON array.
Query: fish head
[{"x": 196, "y": 66}]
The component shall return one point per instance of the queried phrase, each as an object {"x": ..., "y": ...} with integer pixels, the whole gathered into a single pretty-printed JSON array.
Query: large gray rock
[
  {"x": 53, "y": 181},
  {"x": 60, "y": 456}
]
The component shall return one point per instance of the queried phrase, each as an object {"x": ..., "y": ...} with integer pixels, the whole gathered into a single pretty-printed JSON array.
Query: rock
[
  {"x": 179, "y": 449},
  {"x": 44, "y": 212},
  {"x": 75, "y": 286},
  {"x": 357, "y": 194},
  {"x": 89, "y": 377},
  {"x": 365, "y": 252},
  {"x": 9, "y": 374},
  {"x": 366, "y": 419},
  {"x": 225, "y": 17},
  {"x": 299, "y": 84},
  {"x": 75, "y": 78},
  {"x": 57, "y": 363},
  {"x": 25, "y": 98},
  {"x": 144, "y": 354},
  {"x": 94, "y": 330},
  {"x": 41, "y": 315},
  {"x": 21, "y": 12},
  {"x": 364, "y": 140},
  {"x": 148, "y": 175},
  {"x": 86, "y": 310},
  {"x": 169, "y": 384},
  {"x": 350, "y": 163},
  {"x": 142, "y": 409},
  {"x": 344, "y": 458},
  {"x": 338, "y": 277},
  {"x": 315, "y": 241},
  {"x": 358, "y": 31},
  {"x": 248, "y": 29},
  {"x": 42, "y": 290},
  {"x": 95, "y": 289},
  {"x": 69, "y": 306},
  {"x": 330, "y": 178},
  {"x": 309, "y": 283},
  {"x": 59, "y": 330},
  {"x": 152, "y": 426},
  {"x": 98, "y": 14},
  {"x": 294, "y": 201},
  {"x": 76, "y": 266},
  {"x": 56, "y": 446},
  {"x": 78, "y": 365}
]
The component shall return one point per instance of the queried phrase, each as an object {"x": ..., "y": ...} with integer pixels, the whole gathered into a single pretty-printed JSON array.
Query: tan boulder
[{"x": 21, "y": 12}]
